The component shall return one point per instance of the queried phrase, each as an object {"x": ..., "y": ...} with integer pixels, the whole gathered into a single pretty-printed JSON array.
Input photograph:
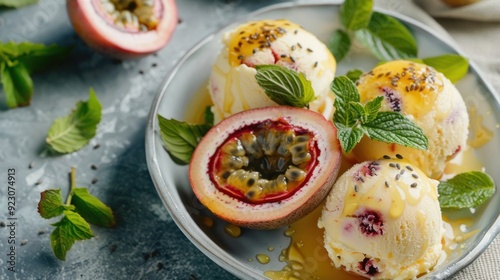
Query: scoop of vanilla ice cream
[
  {"x": 382, "y": 220},
  {"x": 427, "y": 98},
  {"x": 232, "y": 85}
]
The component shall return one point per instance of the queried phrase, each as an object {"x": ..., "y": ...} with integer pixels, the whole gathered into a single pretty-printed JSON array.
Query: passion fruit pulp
[
  {"x": 124, "y": 28},
  {"x": 266, "y": 168}
]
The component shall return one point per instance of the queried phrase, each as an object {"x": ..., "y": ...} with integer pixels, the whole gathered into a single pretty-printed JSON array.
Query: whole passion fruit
[
  {"x": 266, "y": 168},
  {"x": 124, "y": 28}
]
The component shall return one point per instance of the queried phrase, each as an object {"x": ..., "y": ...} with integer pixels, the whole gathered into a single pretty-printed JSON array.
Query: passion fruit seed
[
  {"x": 271, "y": 162},
  {"x": 138, "y": 15}
]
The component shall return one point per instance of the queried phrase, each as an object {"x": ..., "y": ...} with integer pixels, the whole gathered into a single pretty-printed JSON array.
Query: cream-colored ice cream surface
[
  {"x": 232, "y": 85},
  {"x": 382, "y": 220},
  {"x": 427, "y": 98}
]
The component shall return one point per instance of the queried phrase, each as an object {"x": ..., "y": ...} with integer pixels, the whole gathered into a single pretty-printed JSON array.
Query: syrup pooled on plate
[{"x": 306, "y": 257}]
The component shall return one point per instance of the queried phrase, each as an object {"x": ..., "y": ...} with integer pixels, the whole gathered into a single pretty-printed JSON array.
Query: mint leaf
[
  {"x": 387, "y": 38},
  {"x": 71, "y": 228},
  {"x": 354, "y": 74},
  {"x": 453, "y": 66},
  {"x": 17, "y": 84},
  {"x": 339, "y": 45},
  {"x": 392, "y": 127},
  {"x": 371, "y": 109},
  {"x": 349, "y": 137},
  {"x": 208, "y": 116},
  {"x": 16, "y": 3},
  {"x": 92, "y": 209},
  {"x": 59, "y": 241},
  {"x": 180, "y": 138},
  {"x": 285, "y": 86},
  {"x": 34, "y": 56},
  {"x": 345, "y": 92},
  {"x": 355, "y": 14},
  {"x": 51, "y": 204},
  {"x": 466, "y": 190},
  {"x": 72, "y": 132}
]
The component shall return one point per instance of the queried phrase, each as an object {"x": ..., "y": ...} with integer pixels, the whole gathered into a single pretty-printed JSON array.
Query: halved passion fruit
[
  {"x": 266, "y": 168},
  {"x": 124, "y": 28}
]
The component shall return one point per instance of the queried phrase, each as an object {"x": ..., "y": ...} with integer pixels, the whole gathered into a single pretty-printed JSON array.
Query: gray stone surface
[{"x": 146, "y": 243}]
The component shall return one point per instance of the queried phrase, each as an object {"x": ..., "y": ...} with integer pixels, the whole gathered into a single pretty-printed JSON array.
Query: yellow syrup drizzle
[
  {"x": 399, "y": 191},
  {"x": 232, "y": 230},
  {"x": 480, "y": 135},
  {"x": 197, "y": 104},
  {"x": 256, "y": 35},
  {"x": 418, "y": 84},
  {"x": 306, "y": 257}
]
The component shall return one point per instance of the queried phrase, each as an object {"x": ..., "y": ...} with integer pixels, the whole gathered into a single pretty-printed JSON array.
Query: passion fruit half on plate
[
  {"x": 124, "y": 28},
  {"x": 265, "y": 168}
]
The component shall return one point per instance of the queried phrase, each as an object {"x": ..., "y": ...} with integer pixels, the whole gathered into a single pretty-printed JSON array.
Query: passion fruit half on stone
[
  {"x": 265, "y": 168},
  {"x": 124, "y": 28}
]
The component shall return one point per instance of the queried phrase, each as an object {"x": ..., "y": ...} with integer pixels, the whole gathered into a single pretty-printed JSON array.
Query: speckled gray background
[{"x": 146, "y": 243}]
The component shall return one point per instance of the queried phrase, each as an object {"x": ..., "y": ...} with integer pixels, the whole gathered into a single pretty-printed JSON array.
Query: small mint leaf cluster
[
  {"x": 80, "y": 209},
  {"x": 354, "y": 119}
]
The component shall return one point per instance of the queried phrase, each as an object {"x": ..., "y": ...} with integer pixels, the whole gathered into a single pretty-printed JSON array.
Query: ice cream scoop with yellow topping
[
  {"x": 427, "y": 98},
  {"x": 382, "y": 220},
  {"x": 232, "y": 85}
]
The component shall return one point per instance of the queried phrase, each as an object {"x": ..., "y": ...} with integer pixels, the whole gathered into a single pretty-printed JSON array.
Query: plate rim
[{"x": 210, "y": 249}]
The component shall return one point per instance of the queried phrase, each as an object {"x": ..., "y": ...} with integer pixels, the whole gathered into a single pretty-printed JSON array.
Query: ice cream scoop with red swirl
[
  {"x": 233, "y": 87},
  {"x": 427, "y": 98},
  {"x": 382, "y": 220}
]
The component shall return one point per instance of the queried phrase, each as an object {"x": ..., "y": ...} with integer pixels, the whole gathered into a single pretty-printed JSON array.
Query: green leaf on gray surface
[
  {"x": 92, "y": 209},
  {"x": 355, "y": 14},
  {"x": 51, "y": 204},
  {"x": 339, "y": 44},
  {"x": 72, "y": 227},
  {"x": 387, "y": 38},
  {"x": 16, "y": 3},
  {"x": 466, "y": 190},
  {"x": 180, "y": 138},
  {"x": 71, "y": 133},
  {"x": 453, "y": 66},
  {"x": 18, "y": 61},
  {"x": 285, "y": 86},
  {"x": 17, "y": 84}
]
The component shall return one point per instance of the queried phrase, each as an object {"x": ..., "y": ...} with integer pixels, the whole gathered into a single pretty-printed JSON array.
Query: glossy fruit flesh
[
  {"x": 265, "y": 168},
  {"x": 124, "y": 28},
  {"x": 265, "y": 162},
  {"x": 132, "y": 15}
]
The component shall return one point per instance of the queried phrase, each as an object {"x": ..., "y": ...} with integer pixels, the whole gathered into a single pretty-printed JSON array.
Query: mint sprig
[
  {"x": 387, "y": 38},
  {"x": 285, "y": 86},
  {"x": 19, "y": 60},
  {"x": 354, "y": 119},
  {"x": 80, "y": 209},
  {"x": 181, "y": 138},
  {"x": 74, "y": 131},
  {"x": 466, "y": 190}
]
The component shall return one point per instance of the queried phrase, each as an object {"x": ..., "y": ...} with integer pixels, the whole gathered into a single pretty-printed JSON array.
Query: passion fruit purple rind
[
  {"x": 266, "y": 168},
  {"x": 124, "y": 28}
]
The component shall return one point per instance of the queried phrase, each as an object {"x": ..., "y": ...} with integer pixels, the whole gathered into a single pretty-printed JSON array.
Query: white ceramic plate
[{"x": 232, "y": 254}]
